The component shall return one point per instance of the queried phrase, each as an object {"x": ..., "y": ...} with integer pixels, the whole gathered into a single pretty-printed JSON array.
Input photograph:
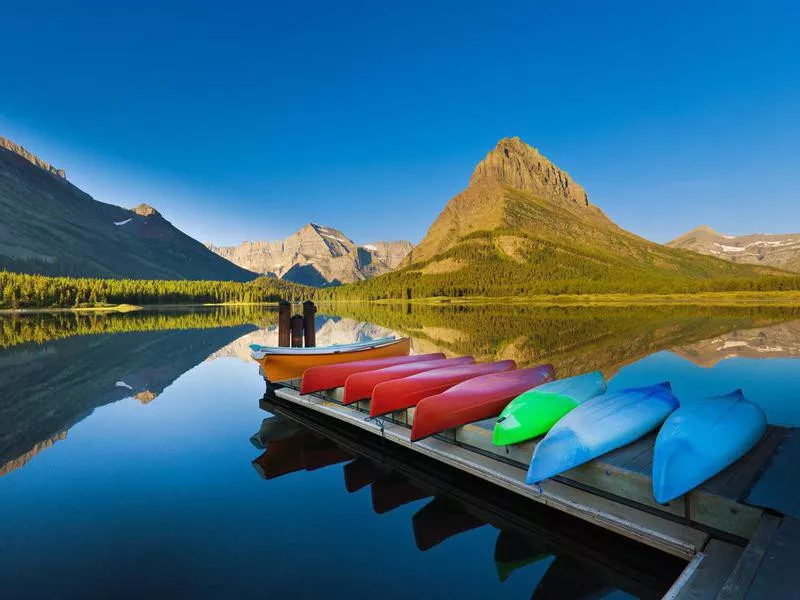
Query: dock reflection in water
[{"x": 438, "y": 505}]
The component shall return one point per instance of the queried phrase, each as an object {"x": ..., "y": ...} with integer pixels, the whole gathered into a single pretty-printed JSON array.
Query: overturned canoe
[
  {"x": 408, "y": 391},
  {"x": 476, "y": 399},
  {"x": 534, "y": 412},
  {"x": 327, "y": 377},
  {"x": 281, "y": 364},
  {"x": 600, "y": 425},
  {"x": 702, "y": 438},
  {"x": 359, "y": 386}
]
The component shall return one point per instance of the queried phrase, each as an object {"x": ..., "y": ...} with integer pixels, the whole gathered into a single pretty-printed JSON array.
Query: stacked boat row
[{"x": 579, "y": 419}]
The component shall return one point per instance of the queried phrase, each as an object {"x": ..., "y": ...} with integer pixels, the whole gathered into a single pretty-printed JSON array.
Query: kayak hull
[
  {"x": 283, "y": 367},
  {"x": 330, "y": 376},
  {"x": 475, "y": 399},
  {"x": 600, "y": 425},
  {"x": 702, "y": 438},
  {"x": 406, "y": 392},
  {"x": 359, "y": 386},
  {"x": 534, "y": 412}
]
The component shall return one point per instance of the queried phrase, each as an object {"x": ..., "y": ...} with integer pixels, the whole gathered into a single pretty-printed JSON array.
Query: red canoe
[
  {"x": 406, "y": 392},
  {"x": 327, "y": 377},
  {"x": 476, "y": 399},
  {"x": 359, "y": 386}
]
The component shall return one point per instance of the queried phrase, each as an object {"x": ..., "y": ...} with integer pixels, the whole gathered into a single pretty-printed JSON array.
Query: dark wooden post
[
  {"x": 309, "y": 328},
  {"x": 284, "y": 316},
  {"x": 297, "y": 331}
]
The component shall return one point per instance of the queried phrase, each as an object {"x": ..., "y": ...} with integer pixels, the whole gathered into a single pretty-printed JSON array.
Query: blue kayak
[
  {"x": 700, "y": 439},
  {"x": 600, "y": 425}
]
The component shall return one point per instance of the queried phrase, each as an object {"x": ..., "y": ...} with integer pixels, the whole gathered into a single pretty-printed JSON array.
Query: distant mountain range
[
  {"x": 49, "y": 226},
  {"x": 523, "y": 225},
  {"x": 316, "y": 255},
  {"x": 775, "y": 250}
]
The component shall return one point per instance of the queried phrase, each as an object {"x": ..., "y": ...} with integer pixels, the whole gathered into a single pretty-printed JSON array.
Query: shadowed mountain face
[
  {"x": 49, "y": 226},
  {"x": 48, "y": 388},
  {"x": 774, "y": 250},
  {"x": 316, "y": 255}
]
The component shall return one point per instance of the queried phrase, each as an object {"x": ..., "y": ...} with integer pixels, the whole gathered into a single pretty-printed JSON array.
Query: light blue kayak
[
  {"x": 700, "y": 439},
  {"x": 600, "y": 425}
]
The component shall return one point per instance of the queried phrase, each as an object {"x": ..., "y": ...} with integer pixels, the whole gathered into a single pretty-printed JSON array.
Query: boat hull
[
  {"x": 359, "y": 386},
  {"x": 408, "y": 391},
  {"x": 476, "y": 399},
  {"x": 535, "y": 411},
  {"x": 283, "y": 367},
  {"x": 702, "y": 438},
  {"x": 598, "y": 426},
  {"x": 330, "y": 376}
]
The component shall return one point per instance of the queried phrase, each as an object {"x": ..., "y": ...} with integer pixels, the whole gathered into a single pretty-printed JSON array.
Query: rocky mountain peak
[
  {"x": 514, "y": 163},
  {"x": 145, "y": 210},
  {"x": 31, "y": 157}
]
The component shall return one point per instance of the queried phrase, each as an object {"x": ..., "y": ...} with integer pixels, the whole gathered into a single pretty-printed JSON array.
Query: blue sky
[{"x": 244, "y": 120}]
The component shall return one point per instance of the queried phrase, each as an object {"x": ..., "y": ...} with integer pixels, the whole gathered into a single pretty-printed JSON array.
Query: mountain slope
[
  {"x": 49, "y": 226},
  {"x": 316, "y": 255},
  {"x": 524, "y": 226},
  {"x": 774, "y": 250}
]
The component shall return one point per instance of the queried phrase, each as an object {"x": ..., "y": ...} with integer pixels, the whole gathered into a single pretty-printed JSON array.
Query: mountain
[
  {"x": 523, "y": 225},
  {"x": 775, "y": 250},
  {"x": 316, "y": 255},
  {"x": 49, "y": 226}
]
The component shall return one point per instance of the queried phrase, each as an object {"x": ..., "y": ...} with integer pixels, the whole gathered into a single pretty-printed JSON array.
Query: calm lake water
[{"x": 137, "y": 459}]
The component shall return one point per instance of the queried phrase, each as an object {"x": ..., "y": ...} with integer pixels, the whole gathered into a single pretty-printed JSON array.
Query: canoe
[
  {"x": 282, "y": 364},
  {"x": 407, "y": 391},
  {"x": 600, "y": 425},
  {"x": 702, "y": 438},
  {"x": 476, "y": 399},
  {"x": 359, "y": 386},
  {"x": 534, "y": 412},
  {"x": 259, "y": 350},
  {"x": 327, "y": 377}
]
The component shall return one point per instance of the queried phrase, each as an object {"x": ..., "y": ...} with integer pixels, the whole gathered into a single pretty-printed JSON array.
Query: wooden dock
[{"x": 734, "y": 546}]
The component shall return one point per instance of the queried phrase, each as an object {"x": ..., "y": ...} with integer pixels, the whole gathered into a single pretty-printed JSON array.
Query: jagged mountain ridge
[
  {"x": 51, "y": 227},
  {"x": 316, "y": 255},
  {"x": 781, "y": 251}
]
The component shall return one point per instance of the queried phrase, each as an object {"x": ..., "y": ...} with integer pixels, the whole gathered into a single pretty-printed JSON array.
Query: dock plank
[
  {"x": 674, "y": 538},
  {"x": 744, "y": 572},
  {"x": 708, "y": 575},
  {"x": 779, "y": 574},
  {"x": 779, "y": 486}
]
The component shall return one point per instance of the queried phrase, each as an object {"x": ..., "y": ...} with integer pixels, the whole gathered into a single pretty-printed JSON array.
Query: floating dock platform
[{"x": 739, "y": 533}]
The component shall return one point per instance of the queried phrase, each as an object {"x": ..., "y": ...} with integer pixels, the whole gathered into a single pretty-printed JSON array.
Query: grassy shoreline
[{"x": 789, "y": 298}]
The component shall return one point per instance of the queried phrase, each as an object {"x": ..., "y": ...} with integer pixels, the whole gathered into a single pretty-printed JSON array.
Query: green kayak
[{"x": 533, "y": 413}]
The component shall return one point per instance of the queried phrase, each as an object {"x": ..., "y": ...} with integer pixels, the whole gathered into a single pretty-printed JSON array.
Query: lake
[{"x": 138, "y": 456}]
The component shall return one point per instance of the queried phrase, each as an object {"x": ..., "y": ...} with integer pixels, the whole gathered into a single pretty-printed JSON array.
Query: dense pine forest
[{"x": 38, "y": 291}]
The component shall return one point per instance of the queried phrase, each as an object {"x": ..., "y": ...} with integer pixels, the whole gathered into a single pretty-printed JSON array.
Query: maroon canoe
[
  {"x": 327, "y": 377},
  {"x": 359, "y": 386},
  {"x": 406, "y": 392},
  {"x": 476, "y": 399}
]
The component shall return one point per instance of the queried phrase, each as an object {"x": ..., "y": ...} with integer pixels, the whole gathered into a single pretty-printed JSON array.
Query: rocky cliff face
[
  {"x": 774, "y": 250},
  {"x": 316, "y": 255},
  {"x": 49, "y": 226}
]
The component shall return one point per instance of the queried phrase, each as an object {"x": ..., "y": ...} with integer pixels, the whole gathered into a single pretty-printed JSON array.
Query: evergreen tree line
[{"x": 38, "y": 291}]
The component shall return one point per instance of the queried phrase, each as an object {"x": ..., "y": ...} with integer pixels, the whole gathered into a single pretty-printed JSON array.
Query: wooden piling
[
  {"x": 309, "y": 328},
  {"x": 296, "y": 326},
  {"x": 284, "y": 318}
]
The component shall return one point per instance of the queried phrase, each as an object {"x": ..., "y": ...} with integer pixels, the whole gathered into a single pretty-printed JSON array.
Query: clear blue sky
[{"x": 244, "y": 120}]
